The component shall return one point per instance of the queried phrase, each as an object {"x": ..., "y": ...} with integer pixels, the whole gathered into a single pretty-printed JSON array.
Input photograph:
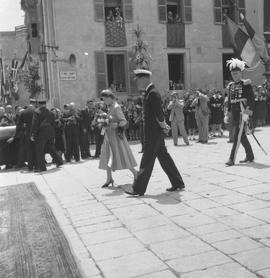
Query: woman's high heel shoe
[{"x": 108, "y": 183}]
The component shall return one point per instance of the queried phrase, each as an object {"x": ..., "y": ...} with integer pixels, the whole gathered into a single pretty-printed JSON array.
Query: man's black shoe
[
  {"x": 247, "y": 160},
  {"x": 229, "y": 162},
  {"x": 175, "y": 188},
  {"x": 59, "y": 164},
  {"x": 134, "y": 193}
]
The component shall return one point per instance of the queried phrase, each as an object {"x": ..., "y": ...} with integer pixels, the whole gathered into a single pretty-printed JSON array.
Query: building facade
[{"x": 86, "y": 46}]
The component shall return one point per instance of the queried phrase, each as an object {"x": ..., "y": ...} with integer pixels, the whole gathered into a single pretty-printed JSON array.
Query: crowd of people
[{"x": 195, "y": 115}]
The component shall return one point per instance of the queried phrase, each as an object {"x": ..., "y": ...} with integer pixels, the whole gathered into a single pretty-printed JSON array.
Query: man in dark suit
[
  {"x": 87, "y": 116},
  {"x": 155, "y": 129},
  {"x": 23, "y": 131},
  {"x": 72, "y": 119},
  {"x": 43, "y": 134}
]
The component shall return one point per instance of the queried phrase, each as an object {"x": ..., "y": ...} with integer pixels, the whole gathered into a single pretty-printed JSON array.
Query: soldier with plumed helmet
[{"x": 240, "y": 105}]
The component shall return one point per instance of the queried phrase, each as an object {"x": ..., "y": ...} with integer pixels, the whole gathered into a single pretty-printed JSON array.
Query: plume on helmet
[{"x": 236, "y": 64}]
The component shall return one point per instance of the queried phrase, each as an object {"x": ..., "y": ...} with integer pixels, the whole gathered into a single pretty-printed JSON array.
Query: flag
[
  {"x": 14, "y": 68},
  {"x": 241, "y": 42},
  {"x": 257, "y": 40},
  {"x": 24, "y": 60},
  {"x": 3, "y": 81}
]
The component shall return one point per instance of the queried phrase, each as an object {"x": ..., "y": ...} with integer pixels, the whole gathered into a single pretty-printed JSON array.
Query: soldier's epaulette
[
  {"x": 229, "y": 85},
  {"x": 246, "y": 81}
]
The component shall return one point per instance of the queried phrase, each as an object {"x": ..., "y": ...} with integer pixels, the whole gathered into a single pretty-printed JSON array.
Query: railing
[
  {"x": 115, "y": 33},
  {"x": 176, "y": 35}
]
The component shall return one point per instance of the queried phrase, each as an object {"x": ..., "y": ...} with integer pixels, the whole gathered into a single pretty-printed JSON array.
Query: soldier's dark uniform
[
  {"x": 43, "y": 134},
  {"x": 154, "y": 144},
  {"x": 240, "y": 92},
  {"x": 24, "y": 133}
]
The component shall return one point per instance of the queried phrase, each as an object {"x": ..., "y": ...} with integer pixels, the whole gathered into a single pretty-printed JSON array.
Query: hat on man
[
  {"x": 236, "y": 65},
  {"x": 142, "y": 73}
]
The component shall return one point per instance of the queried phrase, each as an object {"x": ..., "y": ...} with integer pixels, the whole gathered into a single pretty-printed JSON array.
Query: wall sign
[{"x": 68, "y": 75}]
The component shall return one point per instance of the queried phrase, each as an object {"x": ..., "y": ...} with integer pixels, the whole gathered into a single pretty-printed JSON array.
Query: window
[
  {"x": 230, "y": 8},
  {"x": 116, "y": 72},
  {"x": 176, "y": 71},
  {"x": 175, "y": 11},
  {"x": 113, "y": 10},
  {"x": 111, "y": 71},
  {"x": 266, "y": 15},
  {"x": 34, "y": 30}
]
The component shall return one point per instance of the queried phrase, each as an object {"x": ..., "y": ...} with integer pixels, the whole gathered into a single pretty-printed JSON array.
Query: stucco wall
[{"x": 76, "y": 32}]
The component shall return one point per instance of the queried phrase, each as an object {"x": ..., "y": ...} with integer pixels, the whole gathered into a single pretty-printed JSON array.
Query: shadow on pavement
[
  {"x": 164, "y": 198},
  {"x": 255, "y": 165},
  {"x": 49, "y": 171},
  {"x": 115, "y": 191}
]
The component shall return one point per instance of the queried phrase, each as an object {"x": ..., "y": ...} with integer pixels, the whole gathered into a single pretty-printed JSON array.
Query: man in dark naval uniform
[
  {"x": 87, "y": 116},
  {"x": 26, "y": 145},
  {"x": 42, "y": 134},
  {"x": 155, "y": 129},
  {"x": 240, "y": 105}
]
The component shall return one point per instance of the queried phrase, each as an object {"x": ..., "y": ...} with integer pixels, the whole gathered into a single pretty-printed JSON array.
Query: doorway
[{"x": 176, "y": 71}]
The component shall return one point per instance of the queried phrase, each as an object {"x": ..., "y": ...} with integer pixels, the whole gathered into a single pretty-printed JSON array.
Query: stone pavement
[{"x": 218, "y": 227}]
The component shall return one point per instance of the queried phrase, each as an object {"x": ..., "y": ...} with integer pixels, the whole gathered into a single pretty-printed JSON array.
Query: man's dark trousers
[
  {"x": 84, "y": 144},
  {"x": 244, "y": 142},
  {"x": 40, "y": 145},
  {"x": 72, "y": 138},
  {"x": 154, "y": 148}
]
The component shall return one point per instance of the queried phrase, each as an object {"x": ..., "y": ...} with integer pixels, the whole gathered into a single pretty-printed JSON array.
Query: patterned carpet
[{"x": 31, "y": 242}]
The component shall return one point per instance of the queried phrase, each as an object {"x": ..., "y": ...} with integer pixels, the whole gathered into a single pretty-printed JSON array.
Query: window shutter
[
  {"x": 101, "y": 79},
  {"x": 241, "y": 9},
  {"x": 218, "y": 12},
  {"x": 128, "y": 10},
  {"x": 187, "y": 11},
  {"x": 131, "y": 67},
  {"x": 162, "y": 11},
  {"x": 99, "y": 10}
]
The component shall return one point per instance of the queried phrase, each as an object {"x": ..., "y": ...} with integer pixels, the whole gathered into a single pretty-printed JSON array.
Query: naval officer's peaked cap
[
  {"x": 42, "y": 101},
  {"x": 142, "y": 72}
]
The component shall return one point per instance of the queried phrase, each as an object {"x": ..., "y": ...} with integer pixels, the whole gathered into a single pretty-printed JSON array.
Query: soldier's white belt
[{"x": 238, "y": 100}]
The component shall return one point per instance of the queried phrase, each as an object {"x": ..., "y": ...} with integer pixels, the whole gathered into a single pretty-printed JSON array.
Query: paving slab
[{"x": 218, "y": 227}]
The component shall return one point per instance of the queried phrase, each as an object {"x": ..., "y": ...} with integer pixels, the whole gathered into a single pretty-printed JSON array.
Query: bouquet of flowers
[{"x": 103, "y": 121}]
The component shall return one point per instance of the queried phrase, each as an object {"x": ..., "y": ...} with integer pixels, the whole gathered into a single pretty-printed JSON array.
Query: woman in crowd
[
  {"x": 190, "y": 115},
  {"x": 217, "y": 113},
  {"x": 115, "y": 152}
]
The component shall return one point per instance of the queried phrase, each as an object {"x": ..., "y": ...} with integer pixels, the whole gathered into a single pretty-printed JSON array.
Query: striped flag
[
  {"x": 3, "y": 81},
  {"x": 14, "y": 69},
  {"x": 24, "y": 60},
  {"x": 241, "y": 42},
  {"x": 257, "y": 40}
]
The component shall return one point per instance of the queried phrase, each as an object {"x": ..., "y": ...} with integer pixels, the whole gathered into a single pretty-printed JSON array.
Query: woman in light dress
[{"x": 115, "y": 152}]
